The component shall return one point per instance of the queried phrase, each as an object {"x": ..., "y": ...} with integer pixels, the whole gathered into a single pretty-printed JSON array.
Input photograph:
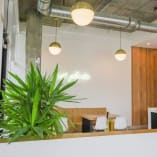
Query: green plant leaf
[
  {"x": 35, "y": 109},
  {"x": 54, "y": 78},
  {"x": 57, "y": 88},
  {"x": 18, "y": 134},
  {"x": 30, "y": 106},
  {"x": 39, "y": 131},
  {"x": 58, "y": 127},
  {"x": 67, "y": 86},
  {"x": 18, "y": 79}
]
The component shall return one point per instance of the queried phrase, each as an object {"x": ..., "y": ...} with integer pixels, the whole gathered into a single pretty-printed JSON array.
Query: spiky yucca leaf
[{"x": 29, "y": 106}]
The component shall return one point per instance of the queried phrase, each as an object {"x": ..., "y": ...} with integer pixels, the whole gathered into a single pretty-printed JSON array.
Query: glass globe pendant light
[
  {"x": 82, "y": 13},
  {"x": 120, "y": 54},
  {"x": 55, "y": 47}
]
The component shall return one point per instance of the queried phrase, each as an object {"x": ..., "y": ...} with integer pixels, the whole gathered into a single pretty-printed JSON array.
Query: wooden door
[{"x": 144, "y": 83}]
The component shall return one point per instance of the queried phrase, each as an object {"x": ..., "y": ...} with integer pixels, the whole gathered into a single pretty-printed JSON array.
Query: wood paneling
[{"x": 144, "y": 83}]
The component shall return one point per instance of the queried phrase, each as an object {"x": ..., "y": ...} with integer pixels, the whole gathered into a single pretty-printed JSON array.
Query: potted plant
[{"x": 30, "y": 107}]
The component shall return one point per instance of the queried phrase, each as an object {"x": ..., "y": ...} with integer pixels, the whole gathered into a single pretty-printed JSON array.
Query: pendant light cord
[
  {"x": 7, "y": 14},
  {"x": 56, "y": 32},
  {"x": 120, "y": 38}
]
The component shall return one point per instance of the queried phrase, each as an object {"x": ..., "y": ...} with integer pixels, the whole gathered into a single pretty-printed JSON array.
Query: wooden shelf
[{"x": 80, "y": 135}]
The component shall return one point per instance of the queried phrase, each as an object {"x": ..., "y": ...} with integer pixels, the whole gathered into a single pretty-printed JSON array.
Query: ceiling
[{"x": 141, "y": 10}]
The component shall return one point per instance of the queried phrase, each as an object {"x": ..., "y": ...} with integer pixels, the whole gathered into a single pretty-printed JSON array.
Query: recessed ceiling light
[{"x": 148, "y": 44}]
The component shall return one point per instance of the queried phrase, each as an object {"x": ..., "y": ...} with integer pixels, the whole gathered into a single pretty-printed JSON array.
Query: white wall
[
  {"x": 91, "y": 51},
  {"x": 16, "y": 38},
  {"x": 140, "y": 39},
  {"x": 138, "y": 145},
  {"x": 1, "y": 33},
  {"x": 18, "y": 59}
]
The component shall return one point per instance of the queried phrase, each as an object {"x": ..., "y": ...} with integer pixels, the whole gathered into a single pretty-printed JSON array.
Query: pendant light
[
  {"x": 82, "y": 13},
  {"x": 55, "y": 47},
  {"x": 120, "y": 54}
]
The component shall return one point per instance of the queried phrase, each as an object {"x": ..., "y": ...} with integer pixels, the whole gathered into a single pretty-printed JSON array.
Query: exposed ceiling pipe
[
  {"x": 126, "y": 24},
  {"x": 43, "y": 6}
]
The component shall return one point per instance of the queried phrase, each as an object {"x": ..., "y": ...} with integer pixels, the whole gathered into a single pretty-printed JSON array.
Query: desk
[{"x": 89, "y": 120}]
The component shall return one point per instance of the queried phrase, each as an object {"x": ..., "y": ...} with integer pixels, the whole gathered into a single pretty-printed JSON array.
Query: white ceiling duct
[{"x": 126, "y": 24}]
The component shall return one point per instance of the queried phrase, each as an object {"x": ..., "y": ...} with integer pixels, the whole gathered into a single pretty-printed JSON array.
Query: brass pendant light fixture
[
  {"x": 55, "y": 47},
  {"x": 82, "y": 13},
  {"x": 120, "y": 54}
]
